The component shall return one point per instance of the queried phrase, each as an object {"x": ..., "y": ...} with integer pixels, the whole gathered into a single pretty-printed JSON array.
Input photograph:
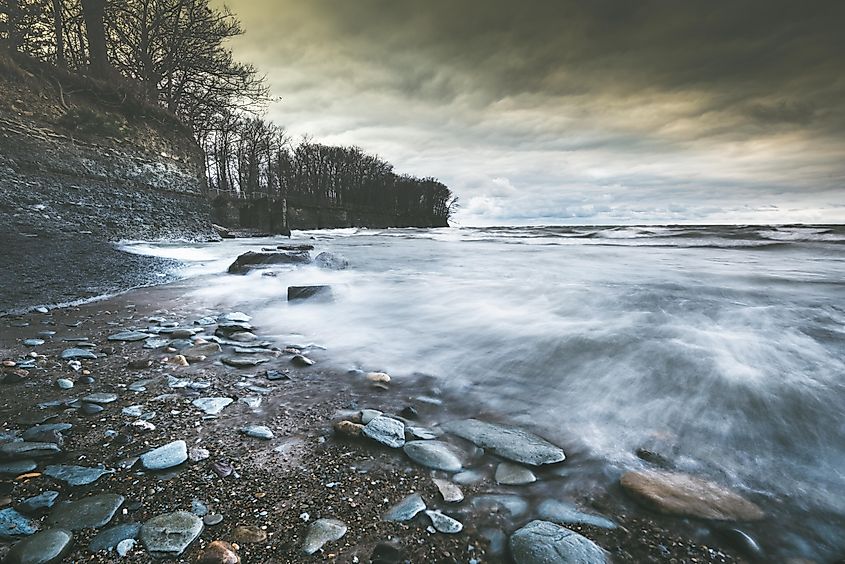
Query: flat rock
[
  {"x": 243, "y": 361},
  {"x": 16, "y": 467},
  {"x": 39, "y": 430},
  {"x": 450, "y": 492},
  {"x": 252, "y": 259},
  {"x": 108, "y": 539},
  {"x": 128, "y": 336},
  {"x": 508, "y": 442},
  {"x": 75, "y": 475},
  {"x": 434, "y": 454},
  {"x": 443, "y": 523},
  {"x": 166, "y": 456},
  {"x": 406, "y": 509},
  {"x": 235, "y": 316},
  {"x": 510, "y": 474},
  {"x": 541, "y": 542},
  {"x": 64, "y": 383},
  {"x": 675, "y": 493},
  {"x": 258, "y": 432},
  {"x": 168, "y": 535},
  {"x": 90, "y": 512},
  {"x": 310, "y": 293},
  {"x": 77, "y": 354},
  {"x": 368, "y": 415},
  {"x": 100, "y": 398},
  {"x": 26, "y": 450},
  {"x": 386, "y": 431},
  {"x": 322, "y": 531},
  {"x": 45, "y": 547},
  {"x": 212, "y": 406},
  {"x": 567, "y": 514},
  {"x": 33, "y": 342},
  {"x": 511, "y": 505},
  {"x": 155, "y": 343},
  {"x": 14, "y": 524}
]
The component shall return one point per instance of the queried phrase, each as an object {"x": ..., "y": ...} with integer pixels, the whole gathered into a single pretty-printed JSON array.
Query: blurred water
[{"x": 727, "y": 343}]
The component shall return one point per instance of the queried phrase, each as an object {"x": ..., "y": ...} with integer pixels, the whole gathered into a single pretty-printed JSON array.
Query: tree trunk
[
  {"x": 58, "y": 29},
  {"x": 93, "y": 11}
]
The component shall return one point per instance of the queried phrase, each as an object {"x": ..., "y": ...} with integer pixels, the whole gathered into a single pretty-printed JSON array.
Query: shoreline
[{"x": 286, "y": 477}]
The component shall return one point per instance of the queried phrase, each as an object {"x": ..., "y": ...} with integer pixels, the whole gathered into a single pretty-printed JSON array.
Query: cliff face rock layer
[{"x": 79, "y": 170}]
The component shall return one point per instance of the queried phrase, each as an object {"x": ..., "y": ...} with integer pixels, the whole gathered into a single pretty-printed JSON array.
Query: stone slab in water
[
  {"x": 92, "y": 512},
  {"x": 14, "y": 524},
  {"x": 434, "y": 454},
  {"x": 45, "y": 547},
  {"x": 166, "y": 456},
  {"x": 129, "y": 336},
  {"x": 508, "y": 442},
  {"x": 310, "y": 293},
  {"x": 406, "y": 509},
  {"x": 675, "y": 493},
  {"x": 251, "y": 259},
  {"x": 77, "y": 354},
  {"x": 212, "y": 406},
  {"x": 108, "y": 539},
  {"x": 386, "y": 431},
  {"x": 510, "y": 474},
  {"x": 567, "y": 514},
  {"x": 74, "y": 475},
  {"x": 541, "y": 542},
  {"x": 323, "y": 531},
  {"x": 168, "y": 535}
]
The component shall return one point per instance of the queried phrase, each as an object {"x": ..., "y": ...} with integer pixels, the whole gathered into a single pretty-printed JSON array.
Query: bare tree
[{"x": 93, "y": 12}]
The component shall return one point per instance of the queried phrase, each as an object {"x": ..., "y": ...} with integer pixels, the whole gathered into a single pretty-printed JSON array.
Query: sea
[{"x": 720, "y": 348}]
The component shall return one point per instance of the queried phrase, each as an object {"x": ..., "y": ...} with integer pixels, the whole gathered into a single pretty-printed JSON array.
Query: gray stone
[
  {"x": 41, "y": 430},
  {"x": 45, "y": 547},
  {"x": 451, "y": 493},
  {"x": 434, "y": 454},
  {"x": 100, "y": 398},
  {"x": 512, "y": 505},
  {"x": 235, "y": 316},
  {"x": 368, "y": 415},
  {"x": 17, "y": 467},
  {"x": 128, "y": 336},
  {"x": 26, "y": 450},
  {"x": 14, "y": 524},
  {"x": 76, "y": 475},
  {"x": 168, "y": 535},
  {"x": 253, "y": 259},
  {"x": 243, "y": 337},
  {"x": 567, "y": 514},
  {"x": 331, "y": 261},
  {"x": 44, "y": 500},
  {"x": 321, "y": 532},
  {"x": 90, "y": 512},
  {"x": 541, "y": 542},
  {"x": 302, "y": 360},
  {"x": 155, "y": 343},
  {"x": 212, "y": 406},
  {"x": 468, "y": 477},
  {"x": 198, "y": 508},
  {"x": 507, "y": 442},
  {"x": 166, "y": 456},
  {"x": 420, "y": 433},
  {"x": 406, "y": 509},
  {"x": 444, "y": 523},
  {"x": 243, "y": 361},
  {"x": 124, "y": 546},
  {"x": 33, "y": 342},
  {"x": 92, "y": 408},
  {"x": 77, "y": 354},
  {"x": 212, "y": 519},
  {"x": 64, "y": 383},
  {"x": 510, "y": 474},
  {"x": 258, "y": 432},
  {"x": 386, "y": 431},
  {"x": 108, "y": 539},
  {"x": 310, "y": 293}
]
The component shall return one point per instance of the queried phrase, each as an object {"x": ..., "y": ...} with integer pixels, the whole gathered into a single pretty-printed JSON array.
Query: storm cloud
[{"x": 574, "y": 111}]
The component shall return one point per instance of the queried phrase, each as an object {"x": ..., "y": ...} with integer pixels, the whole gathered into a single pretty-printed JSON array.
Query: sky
[{"x": 574, "y": 111}]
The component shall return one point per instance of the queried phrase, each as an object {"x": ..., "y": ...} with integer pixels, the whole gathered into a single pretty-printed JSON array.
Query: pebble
[
  {"x": 100, "y": 398},
  {"x": 139, "y": 363},
  {"x": 46, "y": 547},
  {"x": 249, "y": 534},
  {"x": 451, "y": 493},
  {"x": 302, "y": 360},
  {"x": 64, "y": 383},
  {"x": 541, "y": 542},
  {"x": 406, "y": 509},
  {"x": 166, "y": 456},
  {"x": 75, "y": 475},
  {"x": 198, "y": 453},
  {"x": 567, "y": 514},
  {"x": 77, "y": 354},
  {"x": 443, "y": 523},
  {"x": 133, "y": 411},
  {"x": 378, "y": 377},
  {"x": 212, "y": 519},
  {"x": 323, "y": 531},
  {"x": 386, "y": 431},
  {"x": 243, "y": 361},
  {"x": 14, "y": 524},
  {"x": 198, "y": 508},
  {"x": 258, "y": 432},
  {"x": 129, "y": 336},
  {"x": 212, "y": 406},
  {"x": 40, "y": 502},
  {"x": 125, "y": 546},
  {"x": 219, "y": 552},
  {"x": 434, "y": 454},
  {"x": 108, "y": 539},
  {"x": 91, "y": 408},
  {"x": 33, "y": 342},
  {"x": 508, "y": 442},
  {"x": 90, "y": 512},
  {"x": 169, "y": 534},
  {"x": 510, "y": 474}
]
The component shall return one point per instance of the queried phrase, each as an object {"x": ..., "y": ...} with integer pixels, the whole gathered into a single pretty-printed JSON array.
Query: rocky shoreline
[{"x": 143, "y": 414}]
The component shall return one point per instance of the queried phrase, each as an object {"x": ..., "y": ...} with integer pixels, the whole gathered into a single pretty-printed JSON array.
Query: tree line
[{"x": 173, "y": 53}]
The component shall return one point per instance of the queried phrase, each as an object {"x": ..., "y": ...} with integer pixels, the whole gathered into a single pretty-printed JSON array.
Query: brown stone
[
  {"x": 249, "y": 534},
  {"x": 348, "y": 428},
  {"x": 675, "y": 493},
  {"x": 219, "y": 552}
]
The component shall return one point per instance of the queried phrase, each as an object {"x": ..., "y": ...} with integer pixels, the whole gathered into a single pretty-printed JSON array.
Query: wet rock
[
  {"x": 675, "y": 493},
  {"x": 386, "y": 431},
  {"x": 301, "y": 360},
  {"x": 468, "y": 477},
  {"x": 204, "y": 350},
  {"x": 510, "y": 474},
  {"x": 541, "y": 542},
  {"x": 212, "y": 519},
  {"x": 331, "y": 261},
  {"x": 139, "y": 363},
  {"x": 234, "y": 317},
  {"x": 655, "y": 458},
  {"x": 434, "y": 454},
  {"x": 243, "y": 337},
  {"x": 92, "y": 408},
  {"x": 419, "y": 434},
  {"x": 406, "y": 509},
  {"x": 348, "y": 428},
  {"x": 108, "y": 539},
  {"x": 124, "y": 547},
  {"x": 368, "y": 415},
  {"x": 378, "y": 377},
  {"x": 212, "y": 406},
  {"x": 169, "y": 534},
  {"x": 258, "y": 432},
  {"x": 128, "y": 336},
  {"x": 179, "y": 345},
  {"x": 26, "y": 450},
  {"x": 33, "y": 433},
  {"x": 40, "y": 502},
  {"x": 508, "y": 442},
  {"x": 450, "y": 492},
  {"x": 224, "y": 329},
  {"x": 33, "y": 342},
  {"x": 198, "y": 508},
  {"x": 100, "y": 398},
  {"x": 243, "y": 361},
  {"x": 567, "y": 514},
  {"x": 443, "y": 523},
  {"x": 75, "y": 475},
  {"x": 274, "y": 375},
  {"x": 219, "y": 552},
  {"x": 182, "y": 333},
  {"x": 64, "y": 383},
  {"x": 17, "y": 467},
  {"x": 310, "y": 293},
  {"x": 91, "y": 512},
  {"x": 249, "y": 534},
  {"x": 252, "y": 260},
  {"x": 45, "y": 547},
  {"x": 322, "y": 531},
  {"x": 14, "y": 524},
  {"x": 166, "y": 456},
  {"x": 741, "y": 541},
  {"x": 510, "y": 505},
  {"x": 77, "y": 354}
]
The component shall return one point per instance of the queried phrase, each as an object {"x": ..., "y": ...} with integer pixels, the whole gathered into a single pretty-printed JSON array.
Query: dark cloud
[{"x": 744, "y": 98}]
